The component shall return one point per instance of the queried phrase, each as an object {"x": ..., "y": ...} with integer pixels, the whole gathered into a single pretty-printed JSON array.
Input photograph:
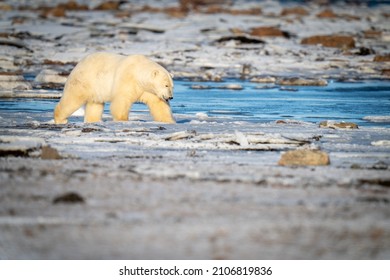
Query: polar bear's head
[
  {"x": 162, "y": 84},
  {"x": 152, "y": 77}
]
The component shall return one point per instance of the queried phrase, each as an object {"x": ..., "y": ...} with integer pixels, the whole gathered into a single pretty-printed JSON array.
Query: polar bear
[{"x": 122, "y": 80}]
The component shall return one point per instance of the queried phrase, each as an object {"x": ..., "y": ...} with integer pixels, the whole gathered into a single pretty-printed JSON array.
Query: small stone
[
  {"x": 330, "y": 41},
  {"x": 328, "y": 13},
  {"x": 269, "y": 31},
  {"x": 385, "y": 72},
  {"x": 382, "y": 58},
  {"x": 304, "y": 158},
  {"x": 200, "y": 87},
  {"x": 72, "y": 5},
  {"x": 372, "y": 33},
  {"x": 295, "y": 81},
  {"x": 55, "y": 12},
  {"x": 69, "y": 198},
  {"x": 335, "y": 125},
  {"x": 109, "y": 5},
  {"x": 49, "y": 153},
  {"x": 232, "y": 87},
  {"x": 181, "y": 135},
  {"x": 265, "y": 79},
  {"x": 294, "y": 11}
]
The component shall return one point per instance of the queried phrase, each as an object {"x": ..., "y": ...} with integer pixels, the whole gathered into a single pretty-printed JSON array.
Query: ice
[{"x": 377, "y": 118}]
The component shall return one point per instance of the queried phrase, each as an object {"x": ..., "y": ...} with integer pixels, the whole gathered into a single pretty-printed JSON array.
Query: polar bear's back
[{"x": 95, "y": 73}]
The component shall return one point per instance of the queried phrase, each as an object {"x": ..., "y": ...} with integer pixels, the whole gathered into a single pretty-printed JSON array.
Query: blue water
[{"x": 337, "y": 101}]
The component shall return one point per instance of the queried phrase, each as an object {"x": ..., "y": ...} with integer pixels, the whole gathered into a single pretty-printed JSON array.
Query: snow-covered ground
[{"x": 207, "y": 187}]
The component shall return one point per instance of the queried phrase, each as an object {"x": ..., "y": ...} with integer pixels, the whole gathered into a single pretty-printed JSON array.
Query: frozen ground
[
  {"x": 192, "y": 190},
  {"x": 206, "y": 187}
]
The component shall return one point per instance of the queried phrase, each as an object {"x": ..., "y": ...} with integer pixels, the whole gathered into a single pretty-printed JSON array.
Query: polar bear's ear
[
  {"x": 172, "y": 76},
  {"x": 155, "y": 73}
]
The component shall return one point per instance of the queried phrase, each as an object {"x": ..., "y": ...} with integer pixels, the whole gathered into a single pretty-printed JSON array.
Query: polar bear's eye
[{"x": 166, "y": 86}]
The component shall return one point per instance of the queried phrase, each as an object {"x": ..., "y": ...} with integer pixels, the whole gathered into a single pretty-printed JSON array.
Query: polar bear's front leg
[
  {"x": 159, "y": 109},
  {"x": 93, "y": 112}
]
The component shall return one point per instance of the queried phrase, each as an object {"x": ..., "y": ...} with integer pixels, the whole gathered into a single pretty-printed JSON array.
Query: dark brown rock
[
  {"x": 382, "y": 58},
  {"x": 300, "y": 11},
  {"x": 331, "y": 41},
  {"x": 386, "y": 72},
  {"x": 72, "y": 5},
  {"x": 55, "y": 12},
  {"x": 304, "y": 158},
  {"x": 49, "y": 153},
  {"x": 69, "y": 198},
  {"x": 269, "y": 31},
  {"x": 328, "y": 13},
  {"x": 107, "y": 6},
  {"x": 372, "y": 33}
]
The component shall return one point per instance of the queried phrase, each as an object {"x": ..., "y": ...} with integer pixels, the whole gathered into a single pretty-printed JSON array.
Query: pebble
[
  {"x": 264, "y": 79},
  {"x": 301, "y": 82},
  {"x": 335, "y": 125},
  {"x": 49, "y": 153},
  {"x": 304, "y": 158},
  {"x": 331, "y": 41}
]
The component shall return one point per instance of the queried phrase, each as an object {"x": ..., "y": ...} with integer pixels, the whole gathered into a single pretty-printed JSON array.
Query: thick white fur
[{"x": 122, "y": 80}]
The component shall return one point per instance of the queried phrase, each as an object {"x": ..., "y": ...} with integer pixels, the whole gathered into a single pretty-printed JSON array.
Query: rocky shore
[{"x": 200, "y": 40}]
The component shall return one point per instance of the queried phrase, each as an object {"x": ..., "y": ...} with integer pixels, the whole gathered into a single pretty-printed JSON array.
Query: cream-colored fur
[{"x": 121, "y": 80}]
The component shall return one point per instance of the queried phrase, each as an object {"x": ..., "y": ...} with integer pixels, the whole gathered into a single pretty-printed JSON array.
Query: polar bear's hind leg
[
  {"x": 93, "y": 112},
  {"x": 66, "y": 107},
  {"x": 120, "y": 108}
]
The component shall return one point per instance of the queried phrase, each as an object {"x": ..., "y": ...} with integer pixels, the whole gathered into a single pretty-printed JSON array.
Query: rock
[
  {"x": 385, "y": 72},
  {"x": 294, "y": 11},
  {"x": 328, "y": 13},
  {"x": 232, "y": 87},
  {"x": 330, "y": 41},
  {"x": 335, "y": 125},
  {"x": 364, "y": 51},
  {"x": 382, "y": 58},
  {"x": 20, "y": 146},
  {"x": 269, "y": 31},
  {"x": 69, "y": 198},
  {"x": 295, "y": 81},
  {"x": 109, "y": 5},
  {"x": 263, "y": 79},
  {"x": 200, "y": 87},
  {"x": 15, "y": 43},
  {"x": 50, "y": 76},
  {"x": 49, "y": 153},
  {"x": 12, "y": 81},
  {"x": 304, "y": 158},
  {"x": 181, "y": 135},
  {"x": 241, "y": 39},
  {"x": 5, "y": 7},
  {"x": 372, "y": 33},
  {"x": 72, "y": 5},
  {"x": 55, "y": 12}
]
